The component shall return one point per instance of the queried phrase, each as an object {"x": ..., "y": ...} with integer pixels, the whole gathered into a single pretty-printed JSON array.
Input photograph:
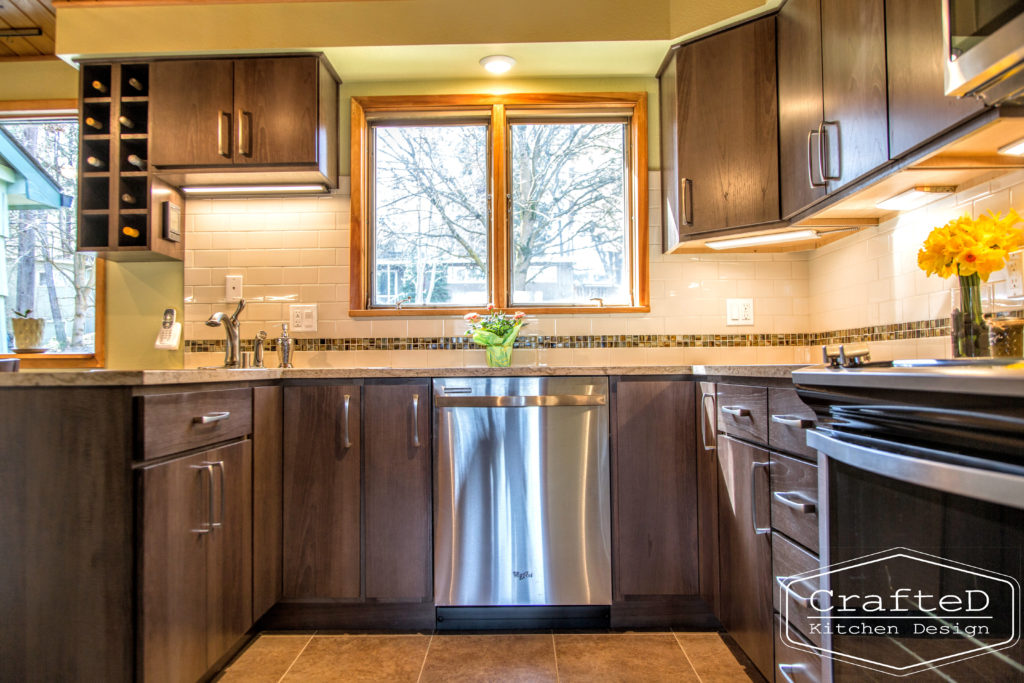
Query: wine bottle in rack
[
  {"x": 136, "y": 84},
  {"x": 127, "y": 198},
  {"x": 93, "y": 123},
  {"x": 125, "y": 121},
  {"x": 136, "y": 161},
  {"x": 95, "y": 162},
  {"x": 99, "y": 86},
  {"x": 130, "y": 231}
]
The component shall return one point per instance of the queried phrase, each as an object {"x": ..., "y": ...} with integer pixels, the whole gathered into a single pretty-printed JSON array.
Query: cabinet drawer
[
  {"x": 171, "y": 423},
  {"x": 789, "y": 559},
  {"x": 795, "y": 499},
  {"x": 794, "y": 665},
  {"x": 788, "y": 421},
  {"x": 743, "y": 412}
]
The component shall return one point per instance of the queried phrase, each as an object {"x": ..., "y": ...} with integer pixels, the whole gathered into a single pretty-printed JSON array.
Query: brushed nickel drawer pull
[
  {"x": 787, "y": 499},
  {"x": 220, "y": 469},
  {"x": 788, "y": 592},
  {"x": 736, "y": 411},
  {"x": 208, "y": 524},
  {"x": 787, "y": 669},
  {"x": 704, "y": 423},
  {"x": 415, "y": 420},
  {"x": 758, "y": 530},
  {"x": 346, "y": 442},
  {"x": 792, "y": 421},
  {"x": 224, "y": 134},
  {"x": 244, "y": 133},
  {"x": 686, "y": 187},
  {"x": 212, "y": 417}
]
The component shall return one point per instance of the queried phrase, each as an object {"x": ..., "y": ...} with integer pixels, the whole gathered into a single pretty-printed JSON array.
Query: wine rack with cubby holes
[{"x": 121, "y": 205}]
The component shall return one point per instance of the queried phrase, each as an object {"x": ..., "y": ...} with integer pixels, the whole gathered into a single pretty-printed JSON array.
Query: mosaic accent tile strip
[{"x": 915, "y": 330}]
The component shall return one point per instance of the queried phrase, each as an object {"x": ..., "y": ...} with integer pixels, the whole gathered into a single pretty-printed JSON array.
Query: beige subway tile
[
  {"x": 197, "y": 276},
  {"x": 995, "y": 202},
  {"x": 300, "y": 275},
  {"x": 197, "y": 312},
  {"x": 666, "y": 356},
  {"x": 590, "y": 357},
  {"x": 682, "y": 324},
  {"x": 309, "y": 294},
  {"x": 264, "y": 311},
  {"x": 424, "y": 327},
  {"x": 554, "y": 357},
  {"x": 646, "y": 325},
  {"x": 194, "y": 207},
  {"x": 939, "y": 304},
  {"x": 319, "y": 220},
  {"x": 389, "y": 328},
  {"x": 637, "y": 356},
  {"x": 284, "y": 257},
  {"x": 574, "y": 325},
  {"x": 341, "y": 257},
  {"x": 772, "y": 306},
  {"x": 699, "y": 271},
  {"x": 448, "y": 358},
  {"x": 719, "y": 289},
  {"x": 317, "y": 257},
  {"x": 332, "y": 274},
  {"x": 210, "y": 259},
  {"x": 331, "y": 239},
  {"x": 410, "y": 359},
  {"x": 737, "y": 270},
  {"x": 198, "y": 240},
  {"x": 667, "y": 271},
  {"x": 771, "y": 270},
  {"x": 263, "y": 276}
]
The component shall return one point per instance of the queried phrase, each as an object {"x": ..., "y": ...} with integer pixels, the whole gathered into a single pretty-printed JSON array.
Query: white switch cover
[
  {"x": 739, "y": 311},
  {"x": 1015, "y": 274},
  {"x": 232, "y": 287},
  {"x": 303, "y": 317}
]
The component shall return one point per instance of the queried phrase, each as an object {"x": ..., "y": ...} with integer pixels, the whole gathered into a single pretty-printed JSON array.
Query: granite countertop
[{"x": 86, "y": 378}]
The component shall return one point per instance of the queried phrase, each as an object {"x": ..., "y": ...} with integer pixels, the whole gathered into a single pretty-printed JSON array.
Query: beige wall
[{"x": 49, "y": 79}]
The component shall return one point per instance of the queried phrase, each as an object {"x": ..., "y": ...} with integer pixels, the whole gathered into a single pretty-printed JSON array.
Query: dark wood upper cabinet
[
  {"x": 745, "y": 549},
  {"x": 856, "y": 130},
  {"x": 918, "y": 107},
  {"x": 655, "y": 491},
  {"x": 800, "y": 104},
  {"x": 267, "y": 113},
  {"x": 192, "y": 105},
  {"x": 322, "y": 488},
  {"x": 726, "y": 125},
  {"x": 398, "y": 492}
]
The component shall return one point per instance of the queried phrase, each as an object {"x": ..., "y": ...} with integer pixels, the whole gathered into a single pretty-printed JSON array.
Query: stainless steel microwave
[{"x": 984, "y": 42}]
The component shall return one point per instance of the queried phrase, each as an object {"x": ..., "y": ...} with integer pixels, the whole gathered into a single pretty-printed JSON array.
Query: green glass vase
[
  {"x": 499, "y": 355},
  {"x": 968, "y": 328}
]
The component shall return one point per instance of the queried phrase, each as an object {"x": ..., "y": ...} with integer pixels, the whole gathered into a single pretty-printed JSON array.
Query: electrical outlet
[
  {"x": 302, "y": 317},
  {"x": 232, "y": 287},
  {"x": 739, "y": 311},
  {"x": 1015, "y": 274}
]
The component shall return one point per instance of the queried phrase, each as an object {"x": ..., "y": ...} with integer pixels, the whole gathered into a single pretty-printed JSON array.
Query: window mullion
[{"x": 500, "y": 215}]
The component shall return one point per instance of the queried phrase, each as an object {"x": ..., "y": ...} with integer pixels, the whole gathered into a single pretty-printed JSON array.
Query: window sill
[
  {"x": 56, "y": 361},
  {"x": 528, "y": 310}
]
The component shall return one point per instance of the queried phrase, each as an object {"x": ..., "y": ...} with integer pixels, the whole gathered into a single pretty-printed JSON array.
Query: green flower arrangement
[{"x": 496, "y": 332}]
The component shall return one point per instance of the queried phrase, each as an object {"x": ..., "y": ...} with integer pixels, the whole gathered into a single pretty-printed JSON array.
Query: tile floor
[{"x": 520, "y": 657}]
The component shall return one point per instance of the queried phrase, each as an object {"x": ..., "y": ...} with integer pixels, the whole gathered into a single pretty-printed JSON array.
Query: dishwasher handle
[{"x": 542, "y": 401}]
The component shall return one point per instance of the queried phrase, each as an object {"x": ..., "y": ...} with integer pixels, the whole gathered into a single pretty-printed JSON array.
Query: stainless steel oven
[
  {"x": 921, "y": 478},
  {"x": 984, "y": 42}
]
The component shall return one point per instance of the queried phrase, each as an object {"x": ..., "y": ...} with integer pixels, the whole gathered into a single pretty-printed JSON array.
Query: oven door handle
[{"x": 994, "y": 487}]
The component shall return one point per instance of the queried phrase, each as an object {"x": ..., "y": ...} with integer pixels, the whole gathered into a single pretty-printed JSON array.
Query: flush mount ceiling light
[
  {"x": 915, "y": 197},
  {"x": 254, "y": 189},
  {"x": 756, "y": 240},
  {"x": 497, "y": 64},
  {"x": 1016, "y": 148}
]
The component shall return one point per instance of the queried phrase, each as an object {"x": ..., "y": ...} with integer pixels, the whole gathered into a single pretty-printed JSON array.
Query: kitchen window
[
  {"x": 41, "y": 270},
  {"x": 530, "y": 201}
]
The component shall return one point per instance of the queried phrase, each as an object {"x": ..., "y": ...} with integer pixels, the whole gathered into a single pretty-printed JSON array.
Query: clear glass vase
[
  {"x": 499, "y": 355},
  {"x": 968, "y": 327}
]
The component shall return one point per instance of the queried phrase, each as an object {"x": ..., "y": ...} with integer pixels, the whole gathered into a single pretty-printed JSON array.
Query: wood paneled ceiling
[{"x": 27, "y": 14}]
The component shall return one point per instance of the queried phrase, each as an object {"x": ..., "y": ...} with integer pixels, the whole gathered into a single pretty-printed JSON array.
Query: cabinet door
[
  {"x": 854, "y": 87},
  {"x": 800, "y": 105},
  {"x": 655, "y": 518},
  {"x": 670, "y": 181},
  {"x": 398, "y": 492},
  {"x": 728, "y": 129},
  {"x": 322, "y": 449},
  {"x": 918, "y": 106},
  {"x": 267, "y": 407},
  {"x": 229, "y": 550},
  {"x": 175, "y": 523},
  {"x": 276, "y": 111},
  {"x": 745, "y": 552},
  {"x": 191, "y": 108}
]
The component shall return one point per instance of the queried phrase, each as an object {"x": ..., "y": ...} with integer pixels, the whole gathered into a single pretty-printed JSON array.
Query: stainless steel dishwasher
[{"x": 522, "y": 514}]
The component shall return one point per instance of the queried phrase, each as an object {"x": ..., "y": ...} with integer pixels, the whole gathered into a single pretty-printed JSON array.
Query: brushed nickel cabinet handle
[
  {"x": 415, "y": 420},
  {"x": 791, "y": 421},
  {"x": 736, "y": 411},
  {"x": 825, "y": 151},
  {"x": 796, "y": 501},
  {"x": 220, "y": 470},
  {"x": 811, "y": 135},
  {"x": 244, "y": 133},
  {"x": 787, "y": 669},
  {"x": 346, "y": 442},
  {"x": 758, "y": 530},
  {"x": 212, "y": 417},
  {"x": 686, "y": 197},
  {"x": 224, "y": 134},
  {"x": 208, "y": 524},
  {"x": 704, "y": 423}
]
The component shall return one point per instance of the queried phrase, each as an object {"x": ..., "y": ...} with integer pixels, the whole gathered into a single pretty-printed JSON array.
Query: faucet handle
[
  {"x": 261, "y": 335},
  {"x": 241, "y": 306}
]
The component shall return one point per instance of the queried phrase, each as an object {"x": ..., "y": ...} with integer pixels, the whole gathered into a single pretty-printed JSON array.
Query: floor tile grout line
[
  {"x": 554, "y": 652},
  {"x": 423, "y": 666},
  {"x": 297, "y": 657},
  {"x": 686, "y": 656}
]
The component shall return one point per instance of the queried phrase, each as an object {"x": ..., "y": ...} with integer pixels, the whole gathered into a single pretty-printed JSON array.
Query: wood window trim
[
  {"x": 363, "y": 108},
  {"x": 28, "y": 109}
]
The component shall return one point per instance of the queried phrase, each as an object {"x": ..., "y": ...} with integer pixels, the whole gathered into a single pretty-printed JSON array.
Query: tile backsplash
[{"x": 296, "y": 250}]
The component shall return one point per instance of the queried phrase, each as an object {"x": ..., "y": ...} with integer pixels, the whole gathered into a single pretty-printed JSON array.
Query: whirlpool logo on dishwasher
[
  {"x": 523, "y": 575},
  {"x": 937, "y": 611}
]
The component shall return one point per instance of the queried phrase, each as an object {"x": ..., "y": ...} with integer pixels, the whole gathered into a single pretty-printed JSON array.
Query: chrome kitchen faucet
[{"x": 230, "y": 323}]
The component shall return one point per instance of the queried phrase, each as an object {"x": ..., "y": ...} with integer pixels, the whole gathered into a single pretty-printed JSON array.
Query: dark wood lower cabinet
[
  {"x": 322, "y": 488},
  {"x": 397, "y": 438},
  {"x": 745, "y": 549},
  {"x": 195, "y": 562},
  {"x": 655, "y": 492}
]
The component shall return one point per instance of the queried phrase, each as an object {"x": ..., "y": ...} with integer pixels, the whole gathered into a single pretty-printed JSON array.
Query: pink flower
[
  {"x": 490, "y": 307},
  {"x": 470, "y": 317},
  {"x": 518, "y": 315}
]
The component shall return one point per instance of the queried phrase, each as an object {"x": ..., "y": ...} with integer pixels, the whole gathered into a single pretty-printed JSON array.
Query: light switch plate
[
  {"x": 1015, "y": 274},
  {"x": 232, "y": 287},
  {"x": 302, "y": 317},
  {"x": 739, "y": 311}
]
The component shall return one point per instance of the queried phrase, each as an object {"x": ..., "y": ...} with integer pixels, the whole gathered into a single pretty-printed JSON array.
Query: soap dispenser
[{"x": 284, "y": 348}]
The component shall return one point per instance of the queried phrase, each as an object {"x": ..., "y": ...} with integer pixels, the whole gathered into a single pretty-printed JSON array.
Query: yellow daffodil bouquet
[{"x": 971, "y": 249}]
